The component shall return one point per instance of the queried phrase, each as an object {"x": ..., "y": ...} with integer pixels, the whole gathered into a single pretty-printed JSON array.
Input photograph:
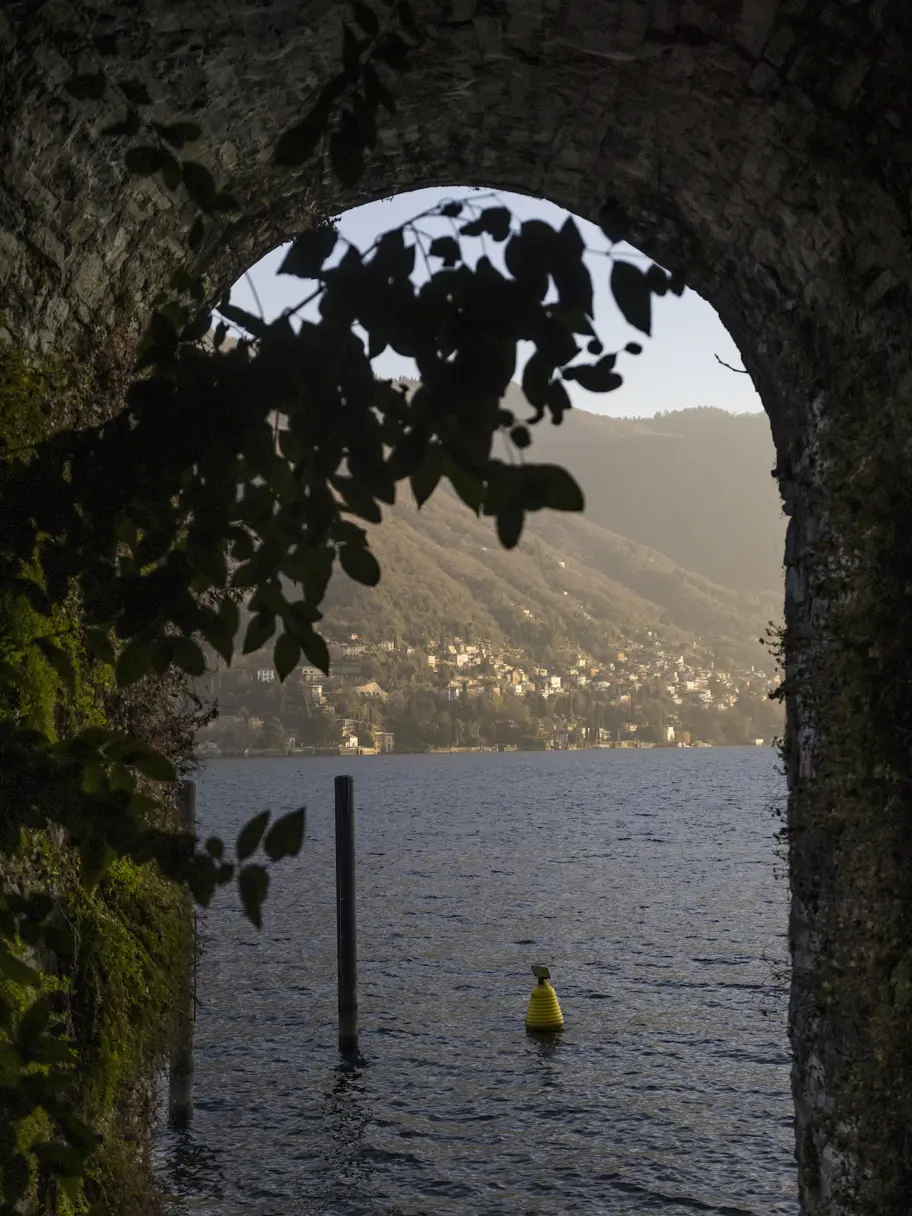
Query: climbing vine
[{"x": 242, "y": 470}]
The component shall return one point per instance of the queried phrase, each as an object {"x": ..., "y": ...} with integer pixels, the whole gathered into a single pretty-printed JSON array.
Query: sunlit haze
[{"x": 677, "y": 370}]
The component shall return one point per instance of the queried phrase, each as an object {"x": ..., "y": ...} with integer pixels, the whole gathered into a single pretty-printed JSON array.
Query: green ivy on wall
[{"x": 110, "y": 985}]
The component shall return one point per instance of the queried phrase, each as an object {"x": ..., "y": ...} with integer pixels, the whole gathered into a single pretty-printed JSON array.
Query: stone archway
[{"x": 762, "y": 145}]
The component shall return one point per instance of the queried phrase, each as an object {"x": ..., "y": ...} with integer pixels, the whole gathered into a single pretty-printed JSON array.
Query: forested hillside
[{"x": 570, "y": 582}]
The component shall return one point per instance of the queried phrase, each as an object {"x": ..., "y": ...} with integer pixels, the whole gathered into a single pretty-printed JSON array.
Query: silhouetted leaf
[
  {"x": 528, "y": 262},
  {"x": 285, "y": 837},
  {"x": 520, "y": 436},
  {"x": 215, "y": 847},
  {"x": 657, "y": 280},
  {"x": 260, "y": 630},
  {"x": 128, "y": 126},
  {"x": 352, "y": 47},
  {"x": 365, "y": 120},
  {"x": 346, "y": 155},
  {"x": 17, "y": 971},
  {"x": 253, "y": 883},
  {"x": 561, "y": 492},
  {"x": 135, "y": 92},
  {"x": 298, "y": 143},
  {"x": 633, "y": 348},
  {"x": 394, "y": 52},
  {"x": 145, "y": 160},
  {"x": 144, "y": 758},
  {"x": 426, "y": 477},
  {"x": 270, "y": 598},
  {"x": 180, "y": 281},
  {"x": 250, "y": 835},
  {"x": 612, "y": 219},
  {"x": 366, "y": 18},
  {"x": 65, "y": 1160},
  {"x": 168, "y": 320},
  {"x": 52, "y": 1050},
  {"x": 510, "y": 520},
  {"x": 77, "y": 1131},
  {"x": 535, "y": 380},
  {"x": 469, "y": 487},
  {"x": 347, "y": 533},
  {"x": 171, "y": 171},
  {"x": 316, "y": 652},
  {"x": 376, "y": 91},
  {"x": 133, "y": 663},
  {"x": 87, "y": 86},
  {"x": 229, "y": 616},
  {"x": 189, "y": 657},
  {"x": 17, "y": 1175},
  {"x": 570, "y": 241},
  {"x": 286, "y": 655},
  {"x": 632, "y": 295},
  {"x": 33, "y": 1023},
  {"x": 452, "y": 210},
  {"x": 200, "y": 184},
  {"x": 35, "y": 595},
  {"x": 446, "y": 247},
  {"x": 360, "y": 564},
  {"x": 99, "y": 645},
  {"x": 596, "y": 377},
  {"x": 94, "y": 737},
  {"x": 245, "y": 320},
  {"x": 194, "y": 331},
  {"x": 105, "y": 44},
  {"x": 317, "y": 571},
  {"x": 574, "y": 290},
  {"x": 408, "y": 22},
  {"x": 308, "y": 252},
  {"x": 178, "y": 133},
  {"x": 493, "y": 220},
  {"x": 60, "y": 661}
]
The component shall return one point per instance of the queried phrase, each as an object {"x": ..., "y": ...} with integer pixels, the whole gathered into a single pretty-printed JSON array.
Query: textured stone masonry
[{"x": 764, "y": 146}]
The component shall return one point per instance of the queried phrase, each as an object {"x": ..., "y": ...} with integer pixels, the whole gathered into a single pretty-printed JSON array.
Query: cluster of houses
[
  {"x": 459, "y": 670},
  {"x": 695, "y": 679}
]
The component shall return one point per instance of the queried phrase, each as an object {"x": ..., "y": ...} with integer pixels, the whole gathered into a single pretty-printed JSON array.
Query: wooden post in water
[
  {"x": 345, "y": 915},
  {"x": 180, "y": 1077}
]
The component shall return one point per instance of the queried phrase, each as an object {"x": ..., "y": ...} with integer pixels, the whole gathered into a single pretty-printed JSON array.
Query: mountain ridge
[
  {"x": 571, "y": 581},
  {"x": 695, "y": 484}
]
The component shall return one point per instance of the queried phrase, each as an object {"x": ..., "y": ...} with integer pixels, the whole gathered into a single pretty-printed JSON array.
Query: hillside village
[
  {"x": 634, "y": 626},
  {"x": 458, "y": 693}
]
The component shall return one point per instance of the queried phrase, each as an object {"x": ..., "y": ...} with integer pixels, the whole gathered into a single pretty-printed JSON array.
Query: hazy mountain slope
[
  {"x": 444, "y": 573},
  {"x": 695, "y": 485}
]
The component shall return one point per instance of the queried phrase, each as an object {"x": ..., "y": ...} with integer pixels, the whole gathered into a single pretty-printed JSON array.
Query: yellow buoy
[{"x": 544, "y": 1011}]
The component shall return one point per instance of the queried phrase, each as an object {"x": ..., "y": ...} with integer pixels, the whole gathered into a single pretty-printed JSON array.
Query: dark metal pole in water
[
  {"x": 345, "y": 915},
  {"x": 180, "y": 1076}
]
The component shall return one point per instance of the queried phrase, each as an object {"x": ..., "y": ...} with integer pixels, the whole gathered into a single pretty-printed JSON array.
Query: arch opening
[{"x": 255, "y": 700}]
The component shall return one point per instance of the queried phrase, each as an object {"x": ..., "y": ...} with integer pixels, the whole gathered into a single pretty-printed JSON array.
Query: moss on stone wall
[{"x": 123, "y": 948}]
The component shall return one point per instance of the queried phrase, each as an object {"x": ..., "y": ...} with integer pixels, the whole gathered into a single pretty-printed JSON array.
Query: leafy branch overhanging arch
[{"x": 242, "y": 473}]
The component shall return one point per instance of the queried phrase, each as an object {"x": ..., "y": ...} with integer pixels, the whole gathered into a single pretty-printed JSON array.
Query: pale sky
[{"x": 677, "y": 369}]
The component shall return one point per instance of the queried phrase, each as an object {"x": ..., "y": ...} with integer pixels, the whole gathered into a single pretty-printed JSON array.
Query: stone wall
[{"x": 764, "y": 146}]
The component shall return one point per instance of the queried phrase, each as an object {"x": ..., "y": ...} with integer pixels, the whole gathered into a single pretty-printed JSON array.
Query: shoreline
[{"x": 366, "y": 753}]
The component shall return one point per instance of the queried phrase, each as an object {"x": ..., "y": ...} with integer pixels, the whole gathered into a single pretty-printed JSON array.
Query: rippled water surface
[{"x": 646, "y": 880}]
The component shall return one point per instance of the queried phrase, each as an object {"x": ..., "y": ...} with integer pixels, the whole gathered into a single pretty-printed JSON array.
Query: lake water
[{"x": 646, "y": 880}]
